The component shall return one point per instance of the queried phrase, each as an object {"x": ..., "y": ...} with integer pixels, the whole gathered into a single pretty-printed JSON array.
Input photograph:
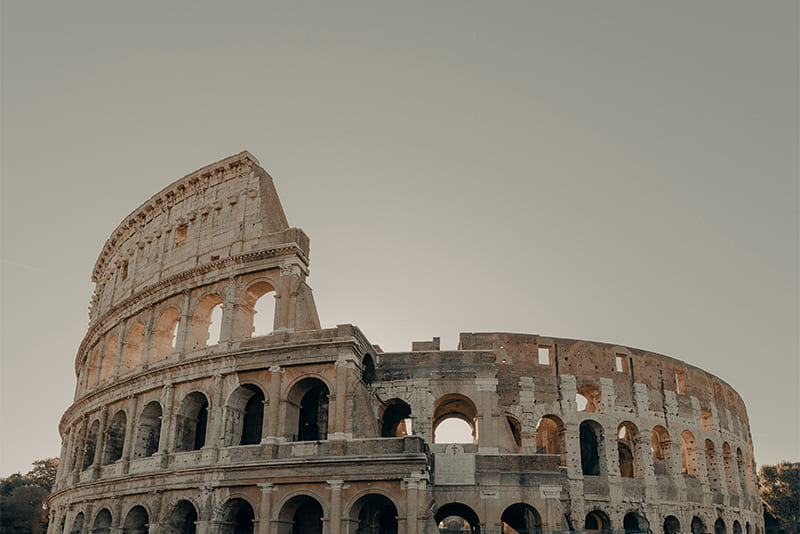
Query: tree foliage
[
  {"x": 780, "y": 492},
  {"x": 22, "y": 498}
]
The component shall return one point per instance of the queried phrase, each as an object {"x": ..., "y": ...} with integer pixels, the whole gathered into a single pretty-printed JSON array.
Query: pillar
[
  {"x": 265, "y": 507},
  {"x": 335, "y": 519},
  {"x": 272, "y": 413}
]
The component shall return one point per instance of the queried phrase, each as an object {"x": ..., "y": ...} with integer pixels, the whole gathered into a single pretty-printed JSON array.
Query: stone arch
[
  {"x": 165, "y": 334},
  {"x": 374, "y": 513},
  {"x": 182, "y": 519},
  {"x": 711, "y": 464},
  {"x": 136, "y": 521},
  {"x": 727, "y": 460},
  {"x": 307, "y": 410},
  {"x": 719, "y": 526},
  {"x": 132, "y": 348},
  {"x": 457, "y": 407},
  {"x": 457, "y": 515},
  {"x": 301, "y": 513},
  {"x": 661, "y": 450},
  {"x": 367, "y": 369},
  {"x": 672, "y": 525},
  {"x": 698, "y": 527},
  {"x": 592, "y": 448},
  {"x": 109, "y": 358},
  {"x": 257, "y": 310},
  {"x": 522, "y": 518},
  {"x": 550, "y": 436},
  {"x": 115, "y": 438},
  {"x": 689, "y": 462},
  {"x": 77, "y": 524},
  {"x": 596, "y": 521},
  {"x": 102, "y": 522},
  {"x": 90, "y": 447},
  {"x": 634, "y": 523},
  {"x": 737, "y": 527},
  {"x": 203, "y": 330},
  {"x": 396, "y": 419},
  {"x": 516, "y": 430},
  {"x": 627, "y": 434},
  {"x": 236, "y": 516},
  {"x": 588, "y": 398},
  {"x": 191, "y": 422},
  {"x": 244, "y": 415},
  {"x": 148, "y": 431}
]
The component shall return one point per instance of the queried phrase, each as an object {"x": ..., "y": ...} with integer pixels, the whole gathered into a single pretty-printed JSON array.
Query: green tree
[
  {"x": 780, "y": 493},
  {"x": 23, "y": 499}
]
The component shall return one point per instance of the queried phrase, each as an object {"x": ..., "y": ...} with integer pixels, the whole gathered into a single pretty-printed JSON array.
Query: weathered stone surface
[{"x": 185, "y": 421}]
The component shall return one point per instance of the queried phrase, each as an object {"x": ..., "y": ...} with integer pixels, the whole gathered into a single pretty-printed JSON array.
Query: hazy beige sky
[{"x": 620, "y": 171}]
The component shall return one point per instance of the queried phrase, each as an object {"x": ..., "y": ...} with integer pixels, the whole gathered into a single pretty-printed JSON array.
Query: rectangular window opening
[
  {"x": 544, "y": 355},
  {"x": 680, "y": 382},
  {"x": 180, "y": 236},
  {"x": 622, "y": 363}
]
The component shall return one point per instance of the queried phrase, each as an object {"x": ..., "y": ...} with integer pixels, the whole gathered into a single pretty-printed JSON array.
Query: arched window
[
  {"x": 626, "y": 449},
  {"x": 634, "y": 523},
  {"x": 244, "y": 415},
  {"x": 374, "y": 513},
  {"x": 719, "y": 526},
  {"x": 236, "y": 517},
  {"x": 550, "y": 437},
  {"x": 727, "y": 460},
  {"x": 457, "y": 517},
  {"x": 307, "y": 414},
  {"x": 181, "y": 519},
  {"x": 596, "y": 522},
  {"x": 132, "y": 348},
  {"x": 661, "y": 450},
  {"x": 256, "y": 311},
  {"x": 588, "y": 398},
  {"x": 688, "y": 454},
  {"x": 698, "y": 527},
  {"x": 206, "y": 322},
  {"x": 165, "y": 335},
  {"x": 455, "y": 420},
  {"x": 191, "y": 422},
  {"x": 522, "y": 519},
  {"x": 368, "y": 369},
  {"x": 109, "y": 358},
  {"x": 148, "y": 431},
  {"x": 396, "y": 420},
  {"x": 672, "y": 525},
  {"x": 136, "y": 522},
  {"x": 77, "y": 524},
  {"x": 737, "y": 527},
  {"x": 303, "y": 514},
  {"x": 91, "y": 445},
  {"x": 592, "y": 450},
  {"x": 102, "y": 522},
  {"x": 711, "y": 465},
  {"x": 115, "y": 438}
]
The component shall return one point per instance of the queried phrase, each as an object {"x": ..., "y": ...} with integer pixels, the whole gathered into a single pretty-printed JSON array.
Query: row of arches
[{"x": 254, "y": 316}]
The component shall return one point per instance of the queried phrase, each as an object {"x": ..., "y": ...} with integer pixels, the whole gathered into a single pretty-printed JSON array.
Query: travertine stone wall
[{"x": 305, "y": 429}]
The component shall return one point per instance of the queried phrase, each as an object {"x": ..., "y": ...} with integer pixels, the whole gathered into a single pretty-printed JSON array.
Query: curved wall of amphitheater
[{"x": 188, "y": 418}]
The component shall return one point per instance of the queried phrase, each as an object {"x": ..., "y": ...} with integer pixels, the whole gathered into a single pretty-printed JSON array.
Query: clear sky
[{"x": 618, "y": 171}]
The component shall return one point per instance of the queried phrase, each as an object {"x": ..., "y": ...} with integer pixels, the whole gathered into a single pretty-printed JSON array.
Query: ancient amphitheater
[{"x": 192, "y": 416}]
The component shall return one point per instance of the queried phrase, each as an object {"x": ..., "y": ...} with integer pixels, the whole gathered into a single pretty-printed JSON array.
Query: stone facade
[{"x": 187, "y": 419}]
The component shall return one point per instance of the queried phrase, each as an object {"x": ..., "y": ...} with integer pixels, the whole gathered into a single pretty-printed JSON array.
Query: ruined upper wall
[{"x": 222, "y": 210}]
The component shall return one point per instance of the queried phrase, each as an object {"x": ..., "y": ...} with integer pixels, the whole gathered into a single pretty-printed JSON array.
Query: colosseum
[{"x": 210, "y": 400}]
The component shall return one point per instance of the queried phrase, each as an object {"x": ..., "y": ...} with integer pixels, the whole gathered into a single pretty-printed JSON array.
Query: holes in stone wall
[
  {"x": 396, "y": 421},
  {"x": 689, "y": 462},
  {"x": 728, "y": 463},
  {"x": 711, "y": 464}
]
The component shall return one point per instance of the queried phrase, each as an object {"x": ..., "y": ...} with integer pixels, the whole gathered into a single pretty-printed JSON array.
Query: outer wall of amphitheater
[{"x": 189, "y": 417}]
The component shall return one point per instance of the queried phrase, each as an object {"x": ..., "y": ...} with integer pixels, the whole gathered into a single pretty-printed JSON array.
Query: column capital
[
  {"x": 335, "y": 485},
  {"x": 267, "y": 487},
  {"x": 276, "y": 369}
]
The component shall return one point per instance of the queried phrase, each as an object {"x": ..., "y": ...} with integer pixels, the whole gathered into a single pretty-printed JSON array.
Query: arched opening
[
  {"x": 115, "y": 438},
  {"x": 516, "y": 430},
  {"x": 91, "y": 445},
  {"x": 367, "y": 369},
  {"x": 374, "y": 514},
  {"x": 706, "y": 420},
  {"x": 592, "y": 452},
  {"x": 148, "y": 431},
  {"x": 301, "y": 514},
  {"x": 181, "y": 520},
  {"x": 191, "y": 422},
  {"x": 672, "y": 525},
  {"x": 256, "y": 311},
  {"x": 550, "y": 436},
  {"x": 136, "y": 522},
  {"x": 596, "y": 522},
  {"x": 748, "y": 529},
  {"x": 204, "y": 331},
  {"x": 77, "y": 524},
  {"x": 455, "y": 420},
  {"x": 396, "y": 421},
  {"x": 626, "y": 449},
  {"x": 588, "y": 398},
  {"x": 521, "y": 518},
  {"x": 236, "y": 517},
  {"x": 719, "y": 526},
  {"x": 102, "y": 522},
  {"x": 742, "y": 473},
  {"x": 165, "y": 335},
  {"x": 457, "y": 518},
  {"x": 308, "y": 410},
  {"x": 109, "y": 357},
  {"x": 661, "y": 450},
  {"x": 244, "y": 415},
  {"x": 688, "y": 454},
  {"x": 634, "y": 523},
  {"x": 711, "y": 465},
  {"x": 737, "y": 527},
  {"x": 132, "y": 348},
  {"x": 698, "y": 527},
  {"x": 727, "y": 460}
]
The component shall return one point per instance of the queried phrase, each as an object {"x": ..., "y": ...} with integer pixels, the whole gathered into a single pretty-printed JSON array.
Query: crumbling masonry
[{"x": 187, "y": 419}]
